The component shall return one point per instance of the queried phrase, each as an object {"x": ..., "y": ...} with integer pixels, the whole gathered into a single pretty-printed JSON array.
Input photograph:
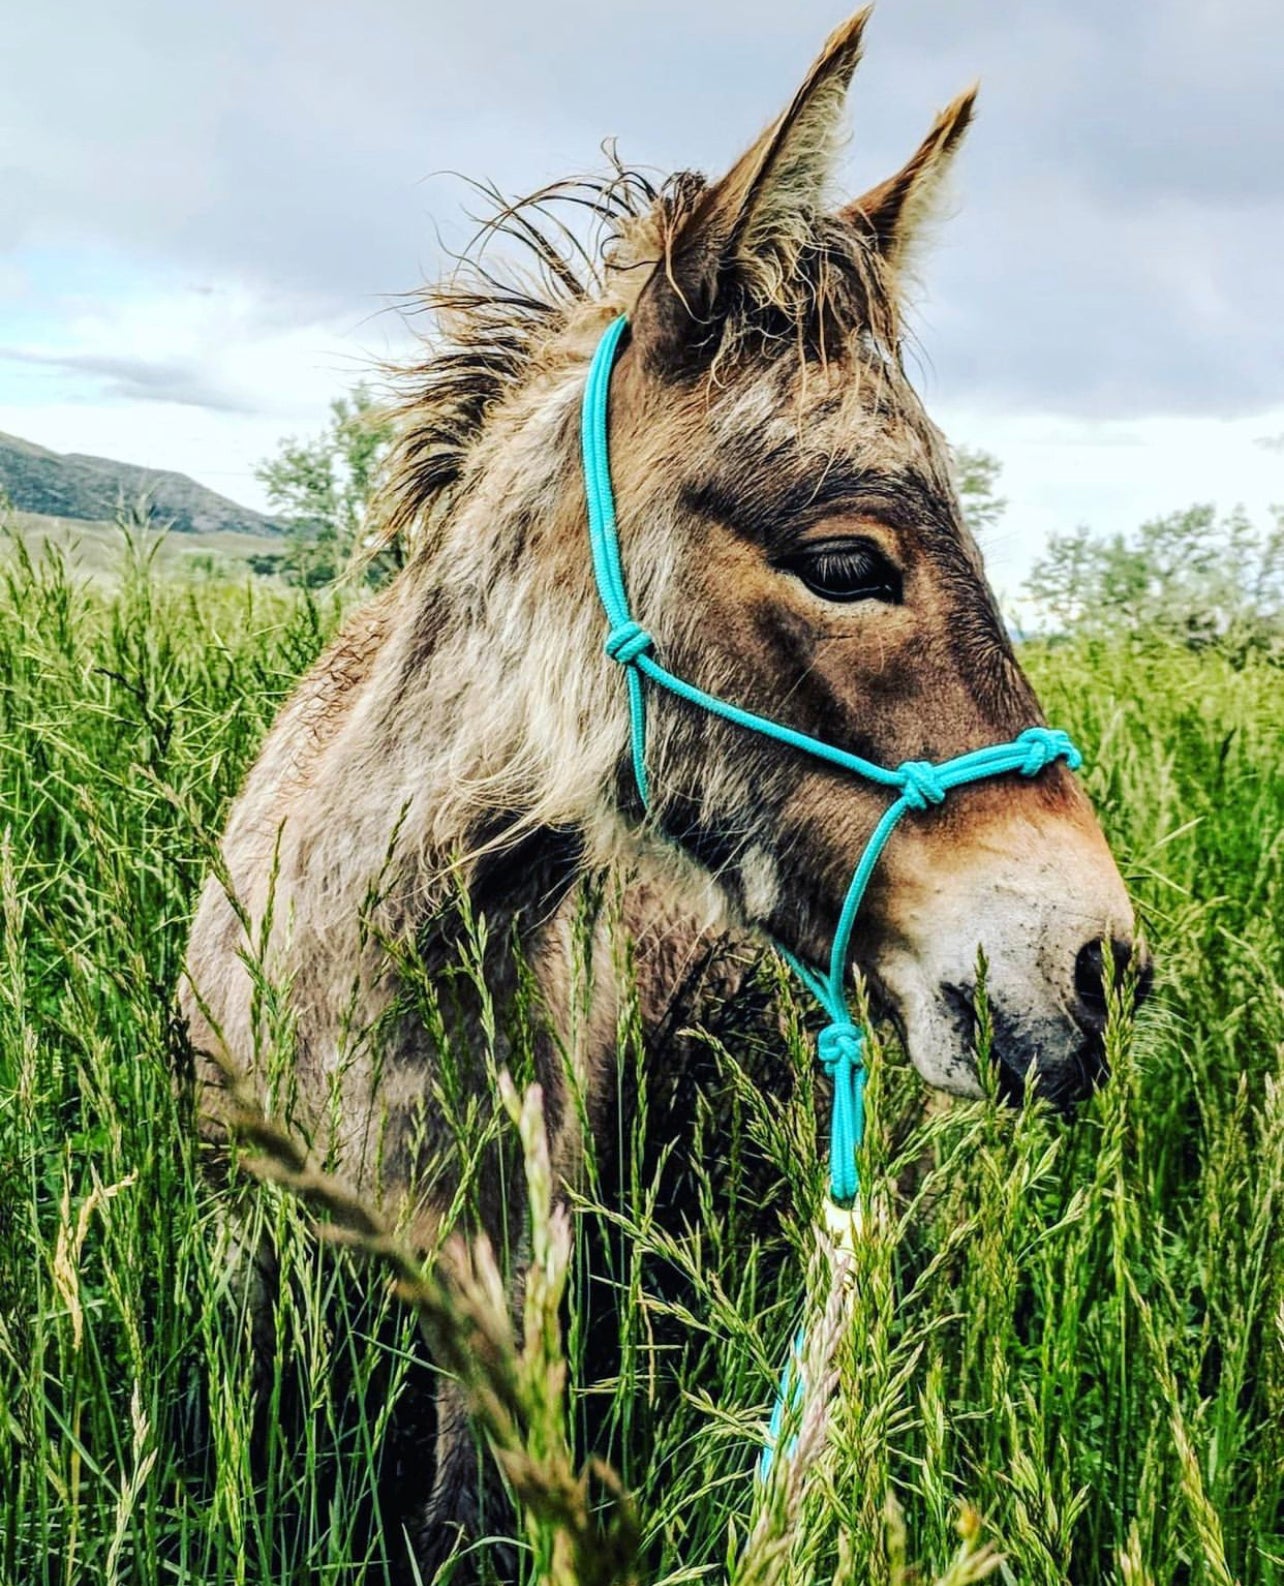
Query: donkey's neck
[
  {"x": 486, "y": 713},
  {"x": 488, "y": 754}
]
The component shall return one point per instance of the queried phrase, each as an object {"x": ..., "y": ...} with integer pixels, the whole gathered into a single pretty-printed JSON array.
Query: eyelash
[{"x": 846, "y": 571}]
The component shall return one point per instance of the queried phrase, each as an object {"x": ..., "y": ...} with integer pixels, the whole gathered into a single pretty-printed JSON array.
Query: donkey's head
[{"x": 791, "y": 536}]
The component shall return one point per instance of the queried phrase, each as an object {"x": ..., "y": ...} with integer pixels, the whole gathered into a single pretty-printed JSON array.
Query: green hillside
[{"x": 72, "y": 485}]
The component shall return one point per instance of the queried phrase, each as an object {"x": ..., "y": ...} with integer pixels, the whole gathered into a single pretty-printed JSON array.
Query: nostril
[
  {"x": 1090, "y": 980},
  {"x": 1089, "y": 983},
  {"x": 1145, "y": 980}
]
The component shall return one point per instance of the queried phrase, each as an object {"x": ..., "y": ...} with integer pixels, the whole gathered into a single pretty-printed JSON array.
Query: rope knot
[
  {"x": 839, "y": 1044},
  {"x": 1043, "y": 745},
  {"x": 625, "y": 643},
  {"x": 920, "y": 784},
  {"x": 840, "y": 1049}
]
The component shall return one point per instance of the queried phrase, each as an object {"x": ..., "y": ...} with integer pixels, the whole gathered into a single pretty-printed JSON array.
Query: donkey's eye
[{"x": 845, "y": 570}]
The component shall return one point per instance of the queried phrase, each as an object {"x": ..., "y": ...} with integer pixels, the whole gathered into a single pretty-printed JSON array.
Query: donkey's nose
[{"x": 1091, "y": 984}]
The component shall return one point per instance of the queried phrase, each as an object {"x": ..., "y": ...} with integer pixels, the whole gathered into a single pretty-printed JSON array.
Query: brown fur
[{"x": 463, "y": 748}]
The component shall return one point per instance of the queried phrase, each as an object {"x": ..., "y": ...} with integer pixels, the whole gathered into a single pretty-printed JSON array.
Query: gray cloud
[
  {"x": 147, "y": 379},
  {"x": 1120, "y": 206}
]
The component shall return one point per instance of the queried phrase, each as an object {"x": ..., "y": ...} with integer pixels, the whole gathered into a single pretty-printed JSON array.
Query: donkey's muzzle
[{"x": 1074, "y": 1079}]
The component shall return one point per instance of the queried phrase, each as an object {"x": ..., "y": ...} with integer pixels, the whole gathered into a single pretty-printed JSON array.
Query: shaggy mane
[{"x": 487, "y": 326}]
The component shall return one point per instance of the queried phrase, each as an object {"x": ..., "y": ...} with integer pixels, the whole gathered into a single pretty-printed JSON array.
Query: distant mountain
[{"x": 72, "y": 485}]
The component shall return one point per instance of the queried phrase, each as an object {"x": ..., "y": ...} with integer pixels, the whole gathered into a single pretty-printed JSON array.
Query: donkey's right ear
[{"x": 743, "y": 234}]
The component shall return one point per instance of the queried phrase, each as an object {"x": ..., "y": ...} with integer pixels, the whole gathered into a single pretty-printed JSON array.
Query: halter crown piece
[{"x": 916, "y": 785}]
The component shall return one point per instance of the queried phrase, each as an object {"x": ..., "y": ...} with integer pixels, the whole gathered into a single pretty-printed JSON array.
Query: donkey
[{"x": 794, "y": 543}]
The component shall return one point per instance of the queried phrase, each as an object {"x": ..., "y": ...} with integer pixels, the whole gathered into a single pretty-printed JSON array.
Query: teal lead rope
[{"x": 917, "y": 785}]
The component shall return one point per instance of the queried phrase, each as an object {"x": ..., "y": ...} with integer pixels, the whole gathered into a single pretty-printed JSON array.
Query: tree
[
  {"x": 1189, "y": 576},
  {"x": 977, "y": 473},
  {"x": 323, "y": 488}
]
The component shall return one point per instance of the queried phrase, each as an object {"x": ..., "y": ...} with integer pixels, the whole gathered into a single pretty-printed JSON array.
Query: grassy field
[
  {"x": 1066, "y": 1360},
  {"x": 94, "y": 548}
]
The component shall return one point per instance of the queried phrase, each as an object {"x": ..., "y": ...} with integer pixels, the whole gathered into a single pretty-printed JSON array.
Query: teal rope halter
[{"x": 917, "y": 785}]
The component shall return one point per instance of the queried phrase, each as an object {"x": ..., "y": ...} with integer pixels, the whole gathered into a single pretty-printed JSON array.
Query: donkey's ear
[
  {"x": 748, "y": 229},
  {"x": 892, "y": 213}
]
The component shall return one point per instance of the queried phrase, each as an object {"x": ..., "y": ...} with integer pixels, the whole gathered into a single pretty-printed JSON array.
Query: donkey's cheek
[{"x": 760, "y": 882}]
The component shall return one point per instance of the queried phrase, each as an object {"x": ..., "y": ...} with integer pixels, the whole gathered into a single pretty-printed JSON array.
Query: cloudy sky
[{"x": 208, "y": 213}]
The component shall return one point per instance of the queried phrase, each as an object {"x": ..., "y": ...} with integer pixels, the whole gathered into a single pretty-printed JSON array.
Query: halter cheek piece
[{"x": 916, "y": 784}]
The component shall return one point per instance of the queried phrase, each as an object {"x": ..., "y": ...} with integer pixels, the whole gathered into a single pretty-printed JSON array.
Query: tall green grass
[{"x": 1064, "y": 1358}]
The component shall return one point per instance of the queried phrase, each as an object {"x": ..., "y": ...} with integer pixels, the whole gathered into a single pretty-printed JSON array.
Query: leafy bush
[
  {"x": 323, "y": 488},
  {"x": 1190, "y": 577}
]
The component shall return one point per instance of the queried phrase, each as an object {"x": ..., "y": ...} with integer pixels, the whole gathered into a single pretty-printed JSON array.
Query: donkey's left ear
[{"x": 892, "y": 213}]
